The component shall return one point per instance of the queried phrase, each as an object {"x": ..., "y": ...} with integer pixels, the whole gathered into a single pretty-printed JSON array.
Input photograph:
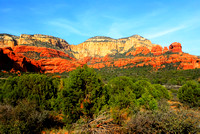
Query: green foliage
[
  {"x": 165, "y": 76},
  {"x": 124, "y": 93},
  {"x": 148, "y": 101},
  {"x": 142, "y": 86},
  {"x": 35, "y": 87},
  {"x": 82, "y": 94},
  {"x": 161, "y": 91},
  {"x": 120, "y": 91},
  {"x": 190, "y": 93}
]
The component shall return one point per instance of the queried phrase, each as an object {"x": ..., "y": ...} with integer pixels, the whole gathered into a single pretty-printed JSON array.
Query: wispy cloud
[
  {"x": 165, "y": 32},
  {"x": 122, "y": 27},
  {"x": 66, "y": 25}
]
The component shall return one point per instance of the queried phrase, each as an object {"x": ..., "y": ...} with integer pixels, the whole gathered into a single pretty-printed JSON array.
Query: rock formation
[
  {"x": 157, "y": 50},
  {"x": 97, "y": 52},
  {"x": 13, "y": 61},
  {"x": 165, "y": 50},
  {"x": 101, "y": 46},
  {"x": 42, "y": 51},
  {"x": 31, "y": 39},
  {"x": 7, "y": 40},
  {"x": 175, "y": 47},
  {"x": 139, "y": 50}
]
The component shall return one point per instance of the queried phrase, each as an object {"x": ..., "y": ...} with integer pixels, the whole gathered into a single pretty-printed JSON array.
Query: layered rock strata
[
  {"x": 7, "y": 40},
  {"x": 100, "y": 46}
]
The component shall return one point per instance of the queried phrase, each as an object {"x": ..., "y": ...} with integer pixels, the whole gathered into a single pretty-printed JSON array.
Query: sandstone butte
[
  {"x": 101, "y": 46},
  {"x": 96, "y": 52}
]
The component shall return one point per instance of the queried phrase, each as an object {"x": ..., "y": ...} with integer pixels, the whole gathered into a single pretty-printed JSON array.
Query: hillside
[{"x": 51, "y": 54}]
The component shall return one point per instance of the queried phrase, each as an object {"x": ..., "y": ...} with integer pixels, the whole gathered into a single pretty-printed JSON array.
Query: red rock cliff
[{"x": 13, "y": 61}]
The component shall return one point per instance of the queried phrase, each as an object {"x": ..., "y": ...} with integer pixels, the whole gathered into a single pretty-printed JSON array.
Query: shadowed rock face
[
  {"x": 12, "y": 61},
  {"x": 6, "y": 63}
]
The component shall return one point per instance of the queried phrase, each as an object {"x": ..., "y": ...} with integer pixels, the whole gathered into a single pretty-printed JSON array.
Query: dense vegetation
[
  {"x": 166, "y": 76},
  {"x": 117, "y": 101}
]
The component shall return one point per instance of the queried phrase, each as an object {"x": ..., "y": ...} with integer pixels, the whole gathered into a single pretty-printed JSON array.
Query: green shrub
[
  {"x": 190, "y": 93},
  {"x": 39, "y": 88},
  {"x": 82, "y": 95},
  {"x": 123, "y": 93},
  {"x": 148, "y": 101},
  {"x": 161, "y": 91},
  {"x": 142, "y": 86},
  {"x": 120, "y": 92}
]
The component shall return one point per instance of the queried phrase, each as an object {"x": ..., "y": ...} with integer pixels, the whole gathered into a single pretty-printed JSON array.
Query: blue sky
[{"x": 161, "y": 21}]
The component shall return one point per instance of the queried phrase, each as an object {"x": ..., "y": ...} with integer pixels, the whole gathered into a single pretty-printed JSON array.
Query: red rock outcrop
[
  {"x": 139, "y": 50},
  {"x": 165, "y": 50},
  {"x": 58, "y": 65},
  {"x": 43, "y": 51},
  {"x": 51, "y": 60},
  {"x": 157, "y": 50},
  {"x": 175, "y": 47},
  {"x": 13, "y": 61},
  {"x": 158, "y": 61}
]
